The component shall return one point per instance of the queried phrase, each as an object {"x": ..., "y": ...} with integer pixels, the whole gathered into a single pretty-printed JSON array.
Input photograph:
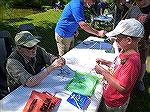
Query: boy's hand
[
  {"x": 103, "y": 62},
  {"x": 99, "y": 69},
  {"x": 100, "y": 61}
]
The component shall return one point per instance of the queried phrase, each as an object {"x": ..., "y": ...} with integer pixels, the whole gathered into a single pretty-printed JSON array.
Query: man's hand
[
  {"x": 102, "y": 33},
  {"x": 59, "y": 62}
]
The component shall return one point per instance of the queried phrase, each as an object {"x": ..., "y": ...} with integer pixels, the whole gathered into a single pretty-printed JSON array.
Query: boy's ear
[{"x": 130, "y": 40}]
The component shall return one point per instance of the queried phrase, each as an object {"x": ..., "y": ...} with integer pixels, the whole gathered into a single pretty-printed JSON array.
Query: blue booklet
[{"x": 79, "y": 101}]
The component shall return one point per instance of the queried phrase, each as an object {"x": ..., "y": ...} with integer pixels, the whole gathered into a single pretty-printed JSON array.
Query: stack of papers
[{"x": 103, "y": 18}]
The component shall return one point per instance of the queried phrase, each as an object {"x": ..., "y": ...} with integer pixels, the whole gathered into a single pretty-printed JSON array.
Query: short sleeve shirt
[
  {"x": 72, "y": 14},
  {"x": 125, "y": 69},
  {"x": 134, "y": 12}
]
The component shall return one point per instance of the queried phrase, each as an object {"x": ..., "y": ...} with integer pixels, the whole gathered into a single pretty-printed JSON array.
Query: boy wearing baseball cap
[
  {"x": 29, "y": 64},
  {"x": 123, "y": 72}
]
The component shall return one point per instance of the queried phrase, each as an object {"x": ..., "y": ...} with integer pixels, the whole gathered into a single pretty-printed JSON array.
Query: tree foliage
[
  {"x": 25, "y": 3},
  {"x": 29, "y": 3}
]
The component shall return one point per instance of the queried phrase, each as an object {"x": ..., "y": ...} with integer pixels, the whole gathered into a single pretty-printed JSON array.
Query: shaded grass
[
  {"x": 140, "y": 101},
  {"x": 45, "y": 23},
  {"x": 148, "y": 64}
]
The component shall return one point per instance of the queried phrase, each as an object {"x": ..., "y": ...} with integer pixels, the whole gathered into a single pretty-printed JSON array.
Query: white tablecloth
[{"x": 81, "y": 58}]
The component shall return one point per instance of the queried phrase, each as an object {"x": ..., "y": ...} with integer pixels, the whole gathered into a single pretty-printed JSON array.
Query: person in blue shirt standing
[{"x": 73, "y": 17}]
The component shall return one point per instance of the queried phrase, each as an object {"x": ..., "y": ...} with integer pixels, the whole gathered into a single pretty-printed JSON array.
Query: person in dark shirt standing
[{"x": 141, "y": 11}]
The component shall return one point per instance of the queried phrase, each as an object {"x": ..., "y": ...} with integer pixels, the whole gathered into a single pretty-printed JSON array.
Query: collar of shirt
[
  {"x": 125, "y": 55},
  {"x": 32, "y": 61}
]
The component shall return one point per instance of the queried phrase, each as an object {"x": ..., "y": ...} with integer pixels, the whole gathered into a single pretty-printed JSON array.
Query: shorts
[
  {"x": 64, "y": 44},
  {"x": 105, "y": 108}
]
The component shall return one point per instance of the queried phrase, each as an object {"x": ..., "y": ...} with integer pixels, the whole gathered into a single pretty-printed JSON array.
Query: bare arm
[
  {"x": 36, "y": 79},
  {"x": 91, "y": 30},
  {"x": 20, "y": 75},
  {"x": 111, "y": 80}
]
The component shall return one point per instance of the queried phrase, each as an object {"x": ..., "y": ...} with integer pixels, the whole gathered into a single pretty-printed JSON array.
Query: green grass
[
  {"x": 148, "y": 64},
  {"x": 45, "y": 23}
]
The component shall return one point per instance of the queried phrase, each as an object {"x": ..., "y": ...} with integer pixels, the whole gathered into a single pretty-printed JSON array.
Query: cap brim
[
  {"x": 32, "y": 43},
  {"x": 112, "y": 34}
]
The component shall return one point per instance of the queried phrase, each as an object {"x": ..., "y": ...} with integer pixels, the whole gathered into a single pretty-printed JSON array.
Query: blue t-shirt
[{"x": 72, "y": 14}]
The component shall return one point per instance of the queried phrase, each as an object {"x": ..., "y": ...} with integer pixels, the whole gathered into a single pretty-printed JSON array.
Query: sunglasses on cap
[{"x": 29, "y": 48}]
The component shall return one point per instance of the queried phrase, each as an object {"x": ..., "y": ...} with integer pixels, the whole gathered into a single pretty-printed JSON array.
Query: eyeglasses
[{"x": 29, "y": 48}]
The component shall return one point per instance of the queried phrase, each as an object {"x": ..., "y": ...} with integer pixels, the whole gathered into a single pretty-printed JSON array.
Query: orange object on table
[{"x": 41, "y": 102}]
